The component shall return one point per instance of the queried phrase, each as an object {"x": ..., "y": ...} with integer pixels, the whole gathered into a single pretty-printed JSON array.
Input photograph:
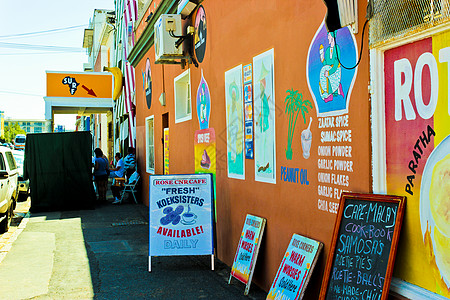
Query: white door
[
  {"x": 13, "y": 174},
  {"x": 3, "y": 185}
]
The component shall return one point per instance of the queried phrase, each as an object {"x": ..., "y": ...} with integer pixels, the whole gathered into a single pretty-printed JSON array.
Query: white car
[
  {"x": 24, "y": 185},
  {"x": 8, "y": 187},
  {"x": 19, "y": 142}
]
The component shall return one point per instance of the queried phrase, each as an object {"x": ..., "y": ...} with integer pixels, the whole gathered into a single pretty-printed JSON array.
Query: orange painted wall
[{"x": 236, "y": 32}]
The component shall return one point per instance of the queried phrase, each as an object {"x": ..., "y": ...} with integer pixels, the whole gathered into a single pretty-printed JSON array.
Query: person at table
[
  {"x": 119, "y": 169},
  {"x": 117, "y": 172},
  {"x": 130, "y": 162}
]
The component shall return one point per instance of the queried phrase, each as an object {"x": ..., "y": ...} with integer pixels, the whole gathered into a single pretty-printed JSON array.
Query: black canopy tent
[{"x": 59, "y": 166}]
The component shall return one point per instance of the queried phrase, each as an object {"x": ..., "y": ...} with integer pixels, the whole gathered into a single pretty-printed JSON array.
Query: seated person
[
  {"x": 117, "y": 172},
  {"x": 130, "y": 162},
  {"x": 130, "y": 185}
]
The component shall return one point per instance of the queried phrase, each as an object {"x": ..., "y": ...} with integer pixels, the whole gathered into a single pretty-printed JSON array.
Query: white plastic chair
[{"x": 130, "y": 186}]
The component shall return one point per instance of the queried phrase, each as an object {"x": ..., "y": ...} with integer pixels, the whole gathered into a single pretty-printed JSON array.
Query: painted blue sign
[{"x": 294, "y": 175}]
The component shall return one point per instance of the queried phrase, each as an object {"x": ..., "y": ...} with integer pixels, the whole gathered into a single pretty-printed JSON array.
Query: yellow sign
[{"x": 79, "y": 85}]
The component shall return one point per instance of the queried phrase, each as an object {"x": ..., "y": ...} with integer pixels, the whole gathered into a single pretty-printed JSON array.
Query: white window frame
[
  {"x": 148, "y": 166},
  {"x": 181, "y": 101},
  {"x": 379, "y": 184},
  {"x": 142, "y": 8}
]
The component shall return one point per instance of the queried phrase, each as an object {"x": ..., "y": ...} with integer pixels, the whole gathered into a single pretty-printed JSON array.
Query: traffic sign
[{"x": 79, "y": 85}]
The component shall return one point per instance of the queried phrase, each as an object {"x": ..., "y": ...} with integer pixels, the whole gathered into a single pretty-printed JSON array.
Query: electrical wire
[
  {"x": 38, "y": 53},
  {"x": 50, "y": 31},
  {"x": 360, "y": 52},
  {"x": 39, "y": 47},
  {"x": 19, "y": 93}
]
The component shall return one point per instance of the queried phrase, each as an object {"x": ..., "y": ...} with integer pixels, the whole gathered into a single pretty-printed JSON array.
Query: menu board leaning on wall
[
  {"x": 363, "y": 247},
  {"x": 247, "y": 251},
  {"x": 295, "y": 269}
]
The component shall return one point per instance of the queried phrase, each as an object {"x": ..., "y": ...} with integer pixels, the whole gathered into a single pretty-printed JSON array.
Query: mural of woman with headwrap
[
  {"x": 330, "y": 74},
  {"x": 329, "y": 82}
]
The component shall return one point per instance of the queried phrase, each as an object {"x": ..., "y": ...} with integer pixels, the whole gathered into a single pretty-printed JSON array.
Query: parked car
[
  {"x": 8, "y": 187},
  {"x": 24, "y": 185}
]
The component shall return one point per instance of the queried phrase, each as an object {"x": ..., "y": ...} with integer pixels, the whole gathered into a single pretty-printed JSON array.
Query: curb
[{"x": 8, "y": 238}]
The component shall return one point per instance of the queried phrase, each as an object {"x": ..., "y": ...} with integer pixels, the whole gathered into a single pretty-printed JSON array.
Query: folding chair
[{"x": 130, "y": 186}]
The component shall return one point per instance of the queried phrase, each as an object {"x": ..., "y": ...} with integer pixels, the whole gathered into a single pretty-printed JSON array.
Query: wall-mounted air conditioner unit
[
  {"x": 167, "y": 32},
  {"x": 341, "y": 13}
]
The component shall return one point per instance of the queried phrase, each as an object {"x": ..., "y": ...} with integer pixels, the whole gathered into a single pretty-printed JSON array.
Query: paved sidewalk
[
  {"x": 103, "y": 254},
  {"x": 18, "y": 223}
]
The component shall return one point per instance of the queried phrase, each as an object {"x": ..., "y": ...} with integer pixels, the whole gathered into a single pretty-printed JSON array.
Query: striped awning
[
  {"x": 130, "y": 16},
  {"x": 120, "y": 108},
  {"x": 124, "y": 130}
]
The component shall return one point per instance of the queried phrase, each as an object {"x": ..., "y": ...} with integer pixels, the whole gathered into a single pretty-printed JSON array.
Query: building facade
[
  {"x": 295, "y": 115},
  {"x": 125, "y": 106},
  {"x": 99, "y": 41},
  {"x": 30, "y": 125},
  {"x": 82, "y": 123}
]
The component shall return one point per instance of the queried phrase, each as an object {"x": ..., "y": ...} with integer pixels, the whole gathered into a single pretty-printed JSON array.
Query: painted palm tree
[{"x": 294, "y": 105}]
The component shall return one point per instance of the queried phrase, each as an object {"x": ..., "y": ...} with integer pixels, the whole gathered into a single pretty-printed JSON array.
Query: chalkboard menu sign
[{"x": 362, "y": 252}]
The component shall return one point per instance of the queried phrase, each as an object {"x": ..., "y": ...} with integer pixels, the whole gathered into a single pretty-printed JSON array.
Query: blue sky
[{"x": 22, "y": 75}]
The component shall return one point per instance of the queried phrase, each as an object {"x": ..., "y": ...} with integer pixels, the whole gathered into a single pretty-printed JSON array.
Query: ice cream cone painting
[
  {"x": 235, "y": 122},
  {"x": 330, "y": 77},
  {"x": 205, "y": 151},
  {"x": 264, "y": 116}
]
